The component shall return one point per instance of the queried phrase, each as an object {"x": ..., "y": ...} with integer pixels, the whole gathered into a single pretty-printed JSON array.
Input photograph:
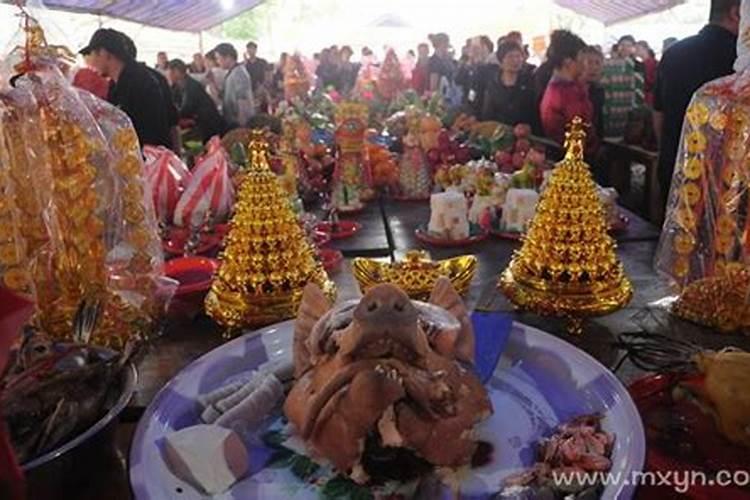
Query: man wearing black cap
[
  {"x": 136, "y": 90},
  {"x": 166, "y": 92}
]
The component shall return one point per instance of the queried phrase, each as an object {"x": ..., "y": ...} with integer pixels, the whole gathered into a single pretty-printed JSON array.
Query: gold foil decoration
[
  {"x": 268, "y": 260},
  {"x": 416, "y": 274},
  {"x": 567, "y": 265},
  {"x": 73, "y": 204},
  {"x": 719, "y": 301}
]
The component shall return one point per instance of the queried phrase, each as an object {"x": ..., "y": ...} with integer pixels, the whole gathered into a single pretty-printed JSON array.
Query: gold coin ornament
[
  {"x": 691, "y": 193},
  {"x": 705, "y": 241},
  {"x": 573, "y": 273},
  {"x": 693, "y": 168},
  {"x": 696, "y": 142},
  {"x": 697, "y": 114},
  {"x": 719, "y": 121}
]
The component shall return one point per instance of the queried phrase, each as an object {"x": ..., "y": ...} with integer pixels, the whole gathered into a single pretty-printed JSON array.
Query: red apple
[
  {"x": 518, "y": 159},
  {"x": 522, "y": 130},
  {"x": 433, "y": 156},
  {"x": 522, "y": 146},
  {"x": 448, "y": 158},
  {"x": 463, "y": 154},
  {"x": 444, "y": 139},
  {"x": 536, "y": 157},
  {"x": 503, "y": 158}
]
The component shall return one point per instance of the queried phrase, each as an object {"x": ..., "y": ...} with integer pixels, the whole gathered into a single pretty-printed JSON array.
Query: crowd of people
[{"x": 222, "y": 90}]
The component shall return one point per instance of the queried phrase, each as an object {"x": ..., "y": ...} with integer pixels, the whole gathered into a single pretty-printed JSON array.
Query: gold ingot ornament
[
  {"x": 416, "y": 274},
  {"x": 556, "y": 273}
]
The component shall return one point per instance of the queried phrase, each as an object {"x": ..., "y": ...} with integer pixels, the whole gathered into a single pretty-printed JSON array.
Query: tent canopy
[
  {"x": 181, "y": 15},
  {"x": 615, "y": 11},
  {"x": 200, "y": 15}
]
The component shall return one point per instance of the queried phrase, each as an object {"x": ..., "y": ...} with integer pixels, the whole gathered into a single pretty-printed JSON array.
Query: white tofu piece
[
  {"x": 519, "y": 209},
  {"x": 209, "y": 457},
  {"x": 449, "y": 215}
]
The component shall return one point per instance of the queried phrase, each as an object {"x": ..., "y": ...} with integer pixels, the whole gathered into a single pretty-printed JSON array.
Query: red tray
[
  {"x": 425, "y": 237},
  {"x": 682, "y": 438},
  {"x": 344, "y": 229},
  {"x": 194, "y": 275},
  {"x": 321, "y": 238}
]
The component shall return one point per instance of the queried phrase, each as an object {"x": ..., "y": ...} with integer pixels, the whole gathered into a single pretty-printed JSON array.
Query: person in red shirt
[
  {"x": 420, "y": 75},
  {"x": 566, "y": 95},
  {"x": 648, "y": 58},
  {"x": 89, "y": 79}
]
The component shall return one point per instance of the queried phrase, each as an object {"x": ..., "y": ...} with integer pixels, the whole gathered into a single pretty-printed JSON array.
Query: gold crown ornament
[
  {"x": 416, "y": 274},
  {"x": 267, "y": 260},
  {"x": 567, "y": 265}
]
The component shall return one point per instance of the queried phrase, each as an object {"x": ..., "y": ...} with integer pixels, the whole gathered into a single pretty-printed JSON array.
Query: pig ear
[
  {"x": 314, "y": 305},
  {"x": 445, "y": 296}
]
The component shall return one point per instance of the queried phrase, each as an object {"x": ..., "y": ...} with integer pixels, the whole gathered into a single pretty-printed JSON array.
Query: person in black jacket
[
  {"x": 683, "y": 69},
  {"x": 195, "y": 103},
  {"x": 506, "y": 95},
  {"x": 136, "y": 90},
  {"x": 168, "y": 99}
]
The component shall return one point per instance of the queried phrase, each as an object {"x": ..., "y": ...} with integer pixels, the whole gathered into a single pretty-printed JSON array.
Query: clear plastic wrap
[
  {"x": 23, "y": 231},
  {"x": 705, "y": 243},
  {"x": 82, "y": 224}
]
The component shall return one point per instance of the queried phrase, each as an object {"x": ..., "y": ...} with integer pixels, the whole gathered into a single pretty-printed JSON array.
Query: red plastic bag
[
  {"x": 167, "y": 177},
  {"x": 14, "y": 312},
  {"x": 209, "y": 196}
]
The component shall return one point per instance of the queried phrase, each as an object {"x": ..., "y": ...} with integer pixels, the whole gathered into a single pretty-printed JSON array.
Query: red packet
[
  {"x": 14, "y": 312},
  {"x": 167, "y": 177},
  {"x": 210, "y": 192}
]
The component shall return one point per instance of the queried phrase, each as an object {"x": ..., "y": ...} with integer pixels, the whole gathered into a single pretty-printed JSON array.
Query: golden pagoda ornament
[
  {"x": 567, "y": 265},
  {"x": 416, "y": 274},
  {"x": 267, "y": 260}
]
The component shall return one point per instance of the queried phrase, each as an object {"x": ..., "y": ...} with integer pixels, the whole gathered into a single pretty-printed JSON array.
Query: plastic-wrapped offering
[
  {"x": 209, "y": 197},
  {"x": 167, "y": 176},
  {"x": 25, "y": 182},
  {"x": 705, "y": 242},
  {"x": 83, "y": 226}
]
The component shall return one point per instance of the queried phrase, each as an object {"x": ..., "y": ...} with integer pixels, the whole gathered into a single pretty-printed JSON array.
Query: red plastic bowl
[
  {"x": 194, "y": 275},
  {"x": 331, "y": 259}
]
